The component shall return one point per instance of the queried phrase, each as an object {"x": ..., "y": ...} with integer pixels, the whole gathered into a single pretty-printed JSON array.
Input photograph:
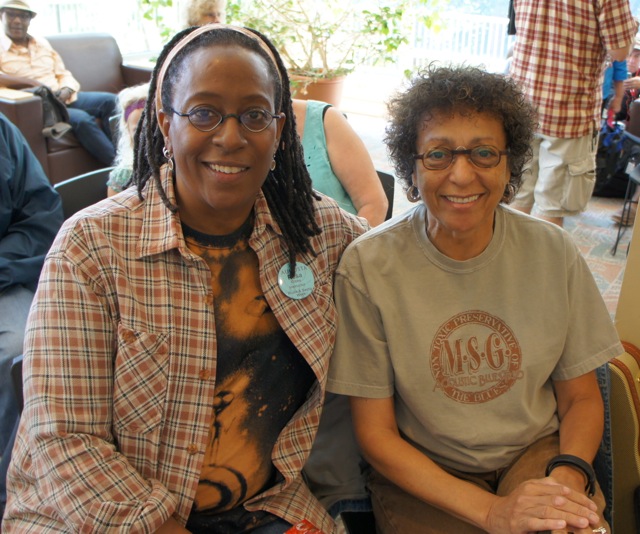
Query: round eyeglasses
[
  {"x": 208, "y": 119},
  {"x": 438, "y": 159}
]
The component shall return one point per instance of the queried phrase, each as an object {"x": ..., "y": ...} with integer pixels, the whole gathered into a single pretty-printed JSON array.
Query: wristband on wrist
[{"x": 580, "y": 464}]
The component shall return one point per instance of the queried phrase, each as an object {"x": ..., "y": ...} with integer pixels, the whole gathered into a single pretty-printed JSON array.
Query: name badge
[{"x": 298, "y": 287}]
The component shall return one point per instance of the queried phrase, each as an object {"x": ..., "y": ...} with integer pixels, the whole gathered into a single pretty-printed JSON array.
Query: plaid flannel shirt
[
  {"x": 559, "y": 57},
  {"x": 120, "y": 368}
]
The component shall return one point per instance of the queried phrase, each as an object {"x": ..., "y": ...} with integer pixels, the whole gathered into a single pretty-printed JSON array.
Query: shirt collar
[
  {"x": 6, "y": 43},
  {"x": 161, "y": 229}
]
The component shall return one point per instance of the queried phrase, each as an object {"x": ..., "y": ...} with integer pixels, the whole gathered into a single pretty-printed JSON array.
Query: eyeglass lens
[
  {"x": 481, "y": 156},
  {"x": 22, "y": 15},
  {"x": 207, "y": 119}
]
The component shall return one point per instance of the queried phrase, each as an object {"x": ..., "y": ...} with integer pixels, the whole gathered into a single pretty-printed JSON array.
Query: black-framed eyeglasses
[
  {"x": 22, "y": 15},
  {"x": 207, "y": 119},
  {"x": 438, "y": 159}
]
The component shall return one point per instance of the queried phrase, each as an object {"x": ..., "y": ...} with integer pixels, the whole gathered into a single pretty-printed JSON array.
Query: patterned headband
[{"x": 196, "y": 33}]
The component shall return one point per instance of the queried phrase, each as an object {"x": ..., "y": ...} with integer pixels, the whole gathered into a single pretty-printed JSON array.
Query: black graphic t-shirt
[{"x": 261, "y": 381}]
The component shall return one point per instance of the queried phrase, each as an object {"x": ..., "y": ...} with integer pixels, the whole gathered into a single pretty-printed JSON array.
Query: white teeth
[
  {"x": 227, "y": 170},
  {"x": 463, "y": 200}
]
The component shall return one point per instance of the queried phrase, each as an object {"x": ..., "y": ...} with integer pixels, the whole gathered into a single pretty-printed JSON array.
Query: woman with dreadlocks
[{"x": 178, "y": 346}]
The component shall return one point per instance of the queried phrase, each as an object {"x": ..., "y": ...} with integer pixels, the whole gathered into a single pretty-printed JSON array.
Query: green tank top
[{"x": 314, "y": 144}]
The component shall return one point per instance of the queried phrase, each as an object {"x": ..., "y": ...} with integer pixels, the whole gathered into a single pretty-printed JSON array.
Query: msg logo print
[{"x": 475, "y": 357}]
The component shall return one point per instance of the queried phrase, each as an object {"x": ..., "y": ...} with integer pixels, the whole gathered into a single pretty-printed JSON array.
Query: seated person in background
[
  {"x": 479, "y": 408},
  {"x": 338, "y": 161},
  {"x": 30, "y": 216},
  {"x": 197, "y": 315},
  {"x": 36, "y": 63},
  {"x": 200, "y": 12},
  {"x": 631, "y": 84},
  {"x": 131, "y": 102}
]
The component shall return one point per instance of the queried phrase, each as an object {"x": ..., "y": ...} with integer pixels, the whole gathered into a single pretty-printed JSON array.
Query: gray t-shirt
[{"x": 468, "y": 348}]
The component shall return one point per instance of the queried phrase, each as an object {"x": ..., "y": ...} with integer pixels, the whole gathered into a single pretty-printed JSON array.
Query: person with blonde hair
[
  {"x": 131, "y": 101},
  {"x": 201, "y": 12}
]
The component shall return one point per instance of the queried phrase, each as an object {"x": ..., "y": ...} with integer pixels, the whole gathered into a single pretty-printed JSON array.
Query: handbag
[{"x": 55, "y": 117}]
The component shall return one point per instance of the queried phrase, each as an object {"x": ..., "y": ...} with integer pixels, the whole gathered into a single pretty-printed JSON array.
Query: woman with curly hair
[{"x": 468, "y": 332}]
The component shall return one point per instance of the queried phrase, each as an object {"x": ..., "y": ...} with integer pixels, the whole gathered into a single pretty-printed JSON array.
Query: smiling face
[
  {"x": 219, "y": 173},
  {"x": 16, "y": 24},
  {"x": 461, "y": 199}
]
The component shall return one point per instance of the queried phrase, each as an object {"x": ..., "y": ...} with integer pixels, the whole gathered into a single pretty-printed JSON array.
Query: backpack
[
  {"x": 55, "y": 116},
  {"x": 616, "y": 152}
]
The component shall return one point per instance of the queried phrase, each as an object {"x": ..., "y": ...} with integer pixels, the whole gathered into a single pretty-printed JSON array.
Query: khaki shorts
[{"x": 559, "y": 180}]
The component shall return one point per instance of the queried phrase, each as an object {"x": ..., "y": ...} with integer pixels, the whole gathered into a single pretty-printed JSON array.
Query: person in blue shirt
[
  {"x": 613, "y": 86},
  {"x": 30, "y": 217}
]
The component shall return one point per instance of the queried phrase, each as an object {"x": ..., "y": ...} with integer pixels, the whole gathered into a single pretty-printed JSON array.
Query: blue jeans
[
  {"x": 17, "y": 300},
  {"x": 82, "y": 116}
]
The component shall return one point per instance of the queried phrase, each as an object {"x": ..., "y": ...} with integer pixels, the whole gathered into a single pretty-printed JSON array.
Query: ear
[{"x": 164, "y": 123}]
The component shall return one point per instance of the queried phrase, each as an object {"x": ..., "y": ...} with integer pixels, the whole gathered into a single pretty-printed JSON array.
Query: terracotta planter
[{"x": 323, "y": 89}]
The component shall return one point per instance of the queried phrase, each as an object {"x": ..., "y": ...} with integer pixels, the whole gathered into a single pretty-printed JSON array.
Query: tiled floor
[{"x": 593, "y": 231}]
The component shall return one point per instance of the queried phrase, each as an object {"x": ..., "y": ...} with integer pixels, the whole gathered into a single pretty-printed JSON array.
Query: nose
[
  {"x": 462, "y": 171},
  {"x": 229, "y": 134}
]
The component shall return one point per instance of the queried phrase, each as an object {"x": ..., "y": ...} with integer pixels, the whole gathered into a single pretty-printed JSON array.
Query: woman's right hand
[
  {"x": 632, "y": 83},
  {"x": 542, "y": 505}
]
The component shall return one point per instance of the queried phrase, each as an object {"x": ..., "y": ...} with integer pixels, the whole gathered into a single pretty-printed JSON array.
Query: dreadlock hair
[{"x": 287, "y": 189}]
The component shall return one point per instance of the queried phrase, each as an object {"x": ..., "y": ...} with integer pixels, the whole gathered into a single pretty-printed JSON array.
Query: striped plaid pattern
[
  {"x": 559, "y": 58},
  {"x": 120, "y": 369}
]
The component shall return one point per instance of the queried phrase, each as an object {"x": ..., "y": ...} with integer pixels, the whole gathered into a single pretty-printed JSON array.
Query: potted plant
[{"x": 323, "y": 41}]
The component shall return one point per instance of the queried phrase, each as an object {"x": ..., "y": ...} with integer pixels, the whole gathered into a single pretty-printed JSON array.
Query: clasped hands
[
  {"x": 64, "y": 94},
  {"x": 547, "y": 504}
]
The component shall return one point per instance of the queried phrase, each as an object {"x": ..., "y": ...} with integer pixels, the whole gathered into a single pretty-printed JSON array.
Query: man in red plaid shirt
[{"x": 559, "y": 55}]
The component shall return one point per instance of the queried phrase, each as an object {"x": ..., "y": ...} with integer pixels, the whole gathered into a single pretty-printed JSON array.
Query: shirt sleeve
[
  {"x": 591, "y": 338},
  {"x": 360, "y": 364},
  {"x": 62, "y": 74},
  {"x": 69, "y": 411},
  {"x": 619, "y": 70},
  {"x": 32, "y": 206},
  {"x": 617, "y": 25}
]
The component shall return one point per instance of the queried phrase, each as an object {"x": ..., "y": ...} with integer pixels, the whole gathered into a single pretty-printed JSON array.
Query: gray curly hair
[{"x": 465, "y": 90}]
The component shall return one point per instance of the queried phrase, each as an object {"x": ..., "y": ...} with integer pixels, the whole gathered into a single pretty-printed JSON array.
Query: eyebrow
[{"x": 449, "y": 141}]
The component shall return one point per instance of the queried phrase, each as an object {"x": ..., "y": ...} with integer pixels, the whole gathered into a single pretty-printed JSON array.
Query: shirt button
[
  {"x": 192, "y": 449},
  {"x": 129, "y": 336},
  {"x": 205, "y": 374}
]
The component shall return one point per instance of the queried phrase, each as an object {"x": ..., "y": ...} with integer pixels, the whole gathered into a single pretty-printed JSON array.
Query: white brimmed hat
[{"x": 17, "y": 4}]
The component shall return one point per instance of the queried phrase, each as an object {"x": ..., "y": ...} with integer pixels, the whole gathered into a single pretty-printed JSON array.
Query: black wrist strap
[{"x": 579, "y": 463}]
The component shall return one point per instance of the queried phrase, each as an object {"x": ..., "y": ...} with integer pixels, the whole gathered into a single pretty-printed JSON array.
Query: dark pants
[
  {"x": 96, "y": 139},
  {"x": 397, "y": 511}
]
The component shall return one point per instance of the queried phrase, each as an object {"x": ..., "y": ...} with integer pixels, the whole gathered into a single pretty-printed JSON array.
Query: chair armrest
[
  {"x": 26, "y": 114},
  {"x": 16, "y": 82},
  {"x": 135, "y": 75}
]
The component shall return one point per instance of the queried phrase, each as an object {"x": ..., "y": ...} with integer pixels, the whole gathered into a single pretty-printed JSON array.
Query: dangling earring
[
  {"x": 169, "y": 157},
  {"x": 273, "y": 163},
  {"x": 509, "y": 193},
  {"x": 413, "y": 194}
]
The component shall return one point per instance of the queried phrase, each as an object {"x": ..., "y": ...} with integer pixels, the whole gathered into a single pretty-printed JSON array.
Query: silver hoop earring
[
  {"x": 509, "y": 193},
  {"x": 413, "y": 194},
  {"x": 169, "y": 157},
  {"x": 273, "y": 163}
]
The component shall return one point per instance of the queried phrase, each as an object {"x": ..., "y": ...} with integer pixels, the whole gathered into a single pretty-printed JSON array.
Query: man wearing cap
[
  {"x": 35, "y": 61},
  {"x": 558, "y": 58}
]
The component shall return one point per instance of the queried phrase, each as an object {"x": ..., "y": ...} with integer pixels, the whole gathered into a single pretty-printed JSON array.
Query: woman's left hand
[{"x": 540, "y": 505}]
